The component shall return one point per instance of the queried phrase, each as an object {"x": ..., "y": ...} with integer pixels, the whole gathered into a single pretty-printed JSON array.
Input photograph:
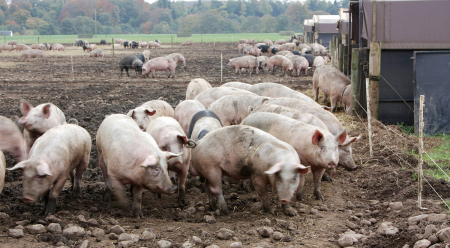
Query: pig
[
  {"x": 296, "y": 53},
  {"x": 347, "y": 99},
  {"x": 283, "y": 53},
  {"x": 8, "y": 47},
  {"x": 141, "y": 57},
  {"x": 252, "y": 41},
  {"x": 178, "y": 57},
  {"x": 275, "y": 90},
  {"x": 257, "y": 45},
  {"x": 188, "y": 43},
  {"x": 61, "y": 151},
  {"x": 333, "y": 124},
  {"x": 170, "y": 137},
  {"x": 246, "y": 62},
  {"x": 272, "y": 50},
  {"x": 38, "y": 47},
  {"x": 316, "y": 147},
  {"x": 310, "y": 59},
  {"x": 209, "y": 96},
  {"x": 32, "y": 54},
  {"x": 264, "y": 48},
  {"x": 184, "y": 112},
  {"x": 22, "y": 47},
  {"x": 241, "y": 47},
  {"x": 102, "y": 42},
  {"x": 11, "y": 139},
  {"x": 126, "y": 44},
  {"x": 157, "y": 41},
  {"x": 242, "y": 41},
  {"x": 332, "y": 82},
  {"x": 129, "y": 156},
  {"x": 291, "y": 113},
  {"x": 268, "y": 42},
  {"x": 250, "y": 50},
  {"x": 159, "y": 64},
  {"x": 301, "y": 64},
  {"x": 2, "y": 170},
  {"x": 79, "y": 43},
  {"x": 11, "y": 43},
  {"x": 130, "y": 62},
  {"x": 278, "y": 61},
  {"x": 202, "y": 123},
  {"x": 59, "y": 47},
  {"x": 290, "y": 46},
  {"x": 143, "y": 44},
  {"x": 238, "y": 85},
  {"x": 290, "y": 56},
  {"x": 195, "y": 87},
  {"x": 302, "y": 46},
  {"x": 148, "y": 111},
  {"x": 280, "y": 42},
  {"x": 151, "y": 44},
  {"x": 38, "y": 120},
  {"x": 116, "y": 46},
  {"x": 315, "y": 49},
  {"x": 244, "y": 152},
  {"x": 234, "y": 108},
  {"x": 146, "y": 54},
  {"x": 97, "y": 53},
  {"x": 318, "y": 62},
  {"x": 86, "y": 42}
]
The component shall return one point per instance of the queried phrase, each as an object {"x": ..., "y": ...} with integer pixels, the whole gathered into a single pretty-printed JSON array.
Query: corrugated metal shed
[
  {"x": 307, "y": 25},
  {"x": 343, "y": 21},
  {"x": 325, "y": 23}
]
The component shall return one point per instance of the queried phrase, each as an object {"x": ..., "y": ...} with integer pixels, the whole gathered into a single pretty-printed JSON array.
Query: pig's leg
[
  {"x": 215, "y": 187},
  {"x": 108, "y": 187},
  {"x": 212, "y": 198},
  {"x": 181, "y": 183},
  {"x": 137, "y": 200},
  {"x": 119, "y": 192},
  {"x": 288, "y": 210},
  {"x": 126, "y": 69},
  {"x": 317, "y": 178},
  {"x": 300, "y": 188},
  {"x": 324, "y": 97},
  {"x": 246, "y": 184},
  {"x": 54, "y": 193},
  {"x": 261, "y": 189},
  {"x": 316, "y": 90},
  {"x": 334, "y": 101},
  {"x": 79, "y": 173}
]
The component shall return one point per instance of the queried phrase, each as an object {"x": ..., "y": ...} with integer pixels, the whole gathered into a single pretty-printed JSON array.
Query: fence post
[
  {"x": 112, "y": 39},
  {"x": 369, "y": 125},
  {"x": 214, "y": 42},
  {"x": 354, "y": 77},
  {"x": 221, "y": 68},
  {"x": 419, "y": 170},
  {"x": 73, "y": 75},
  {"x": 333, "y": 48},
  {"x": 374, "y": 75},
  {"x": 341, "y": 57},
  {"x": 201, "y": 37}
]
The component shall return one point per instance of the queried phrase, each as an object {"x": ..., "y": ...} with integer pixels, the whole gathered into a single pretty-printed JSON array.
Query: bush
[
  {"x": 184, "y": 34},
  {"x": 287, "y": 33}
]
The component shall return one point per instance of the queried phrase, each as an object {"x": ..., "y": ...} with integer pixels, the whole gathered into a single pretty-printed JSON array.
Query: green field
[{"x": 164, "y": 38}]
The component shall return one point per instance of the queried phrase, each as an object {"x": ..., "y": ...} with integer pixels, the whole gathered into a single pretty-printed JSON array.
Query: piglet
[{"x": 61, "y": 151}]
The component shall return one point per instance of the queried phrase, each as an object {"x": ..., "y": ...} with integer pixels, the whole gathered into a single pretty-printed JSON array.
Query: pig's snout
[
  {"x": 354, "y": 168},
  {"x": 173, "y": 189},
  {"x": 21, "y": 121},
  {"x": 284, "y": 201},
  {"x": 331, "y": 165},
  {"x": 28, "y": 200}
]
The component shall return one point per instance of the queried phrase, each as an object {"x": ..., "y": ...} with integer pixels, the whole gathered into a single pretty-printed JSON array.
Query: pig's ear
[
  {"x": 150, "y": 161},
  {"x": 301, "y": 168},
  {"x": 183, "y": 139},
  {"x": 170, "y": 155},
  {"x": 130, "y": 113},
  {"x": 18, "y": 166},
  {"x": 274, "y": 169},
  {"x": 340, "y": 138},
  {"x": 351, "y": 140},
  {"x": 149, "y": 112},
  {"x": 250, "y": 109},
  {"x": 25, "y": 107},
  {"x": 43, "y": 169},
  {"x": 317, "y": 137},
  {"x": 46, "y": 110}
]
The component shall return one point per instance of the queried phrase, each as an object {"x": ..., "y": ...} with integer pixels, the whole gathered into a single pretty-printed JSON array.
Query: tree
[
  {"x": 216, "y": 4},
  {"x": 146, "y": 28},
  {"x": 270, "y": 24},
  {"x": 210, "y": 22},
  {"x": 105, "y": 19},
  {"x": 165, "y": 17},
  {"x": 297, "y": 12},
  {"x": 161, "y": 28},
  {"x": 251, "y": 25},
  {"x": 67, "y": 26},
  {"x": 283, "y": 23}
]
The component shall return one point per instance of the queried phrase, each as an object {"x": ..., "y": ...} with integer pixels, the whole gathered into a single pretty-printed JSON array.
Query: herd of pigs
[
  {"x": 290, "y": 56},
  {"x": 264, "y": 134}
]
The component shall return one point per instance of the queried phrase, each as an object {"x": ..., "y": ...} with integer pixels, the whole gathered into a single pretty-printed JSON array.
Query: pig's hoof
[
  {"x": 290, "y": 211},
  {"x": 107, "y": 197},
  {"x": 318, "y": 197},
  {"x": 326, "y": 178},
  {"x": 299, "y": 197},
  {"x": 225, "y": 211},
  {"x": 138, "y": 214}
]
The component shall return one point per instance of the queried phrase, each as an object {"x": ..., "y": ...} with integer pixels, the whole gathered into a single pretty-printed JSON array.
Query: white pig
[
  {"x": 275, "y": 90},
  {"x": 209, "y": 96},
  {"x": 11, "y": 139},
  {"x": 237, "y": 85},
  {"x": 202, "y": 123},
  {"x": 195, "y": 87},
  {"x": 332, "y": 82},
  {"x": 184, "y": 112},
  {"x": 150, "y": 110}
]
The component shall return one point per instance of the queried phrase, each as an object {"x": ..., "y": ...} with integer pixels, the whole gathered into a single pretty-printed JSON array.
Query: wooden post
[
  {"x": 332, "y": 49},
  {"x": 374, "y": 75},
  {"x": 214, "y": 42},
  {"x": 419, "y": 170},
  {"x": 354, "y": 77},
  {"x": 201, "y": 38},
  {"x": 341, "y": 57},
  {"x": 73, "y": 75},
  {"x": 112, "y": 44},
  {"x": 369, "y": 125},
  {"x": 221, "y": 68},
  {"x": 171, "y": 40}
]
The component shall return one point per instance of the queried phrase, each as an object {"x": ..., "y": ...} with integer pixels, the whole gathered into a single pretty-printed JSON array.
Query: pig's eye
[
  {"x": 322, "y": 148},
  {"x": 154, "y": 171},
  {"x": 295, "y": 178},
  {"x": 165, "y": 148},
  {"x": 278, "y": 176}
]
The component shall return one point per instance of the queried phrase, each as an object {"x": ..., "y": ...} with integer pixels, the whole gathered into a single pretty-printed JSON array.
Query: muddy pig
[
  {"x": 243, "y": 152},
  {"x": 246, "y": 62},
  {"x": 209, "y": 96},
  {"x": 159, "y": 64},
  {"x": 97, "y": 53},
  {"x": 151, "y": 44},
  {"x": 233, "y": 109},
  {"x": 130, "y": 62},
  {"x": 60, "y": 152},
  {"x": 251, "y": 50},
  {"x": 146, "y": 54},
  {"x": 333, "y": 124},
  {"x": 268, "y": 42},
  {"x": 37, "y": 120},
  {"x": 195, "y": 87},
  {"x": 317, "y": 147},
  {"x": 242, "y": 41},
  {"x": 184, "y": 112},
  {"x": 318, "y": 62},
  {"x": 22, "y": 47},
  {"x": 202, "y": 123},
  {"x": 32, "y": 54},
  {"x": 178, "y": 57},
  {"x": 11, "y": 139},
  {"x": 332, "y": 82},
  {"x": 301, "y": 64},
  {"x": 238, "y": 85},
  {"x": 278, "y": 61},
  {"x": 275, "y": 90},
  {"x": 188, "y": 43},
  {"x": 170, "y": 137},
  {"x": 59, "y": 47},
  {"x": 129, "y": 156},
  {"x": 149, "y": 111}
]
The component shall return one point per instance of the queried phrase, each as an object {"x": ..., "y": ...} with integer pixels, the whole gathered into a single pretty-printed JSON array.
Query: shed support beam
[
  {"x": 333, "y": 49},
  {"x": 374, "y": 76},
  {"x": 354, "y": 78},
  {"x": 341, "y": 57}
]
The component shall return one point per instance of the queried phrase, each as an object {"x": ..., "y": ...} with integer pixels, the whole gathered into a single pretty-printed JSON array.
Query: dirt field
[{"x": 95, "y": 89}]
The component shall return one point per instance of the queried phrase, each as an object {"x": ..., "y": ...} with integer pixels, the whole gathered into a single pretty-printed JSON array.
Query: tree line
[{"x": 52, "y": 17}]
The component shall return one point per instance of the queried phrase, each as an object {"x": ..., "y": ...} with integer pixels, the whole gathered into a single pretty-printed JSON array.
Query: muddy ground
[{"x": 95, "y": 89}]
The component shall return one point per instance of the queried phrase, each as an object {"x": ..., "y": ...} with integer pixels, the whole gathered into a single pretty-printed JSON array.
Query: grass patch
[
  {"x": 408, "y": 130},
  {"x": 441, "y": 156}
]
